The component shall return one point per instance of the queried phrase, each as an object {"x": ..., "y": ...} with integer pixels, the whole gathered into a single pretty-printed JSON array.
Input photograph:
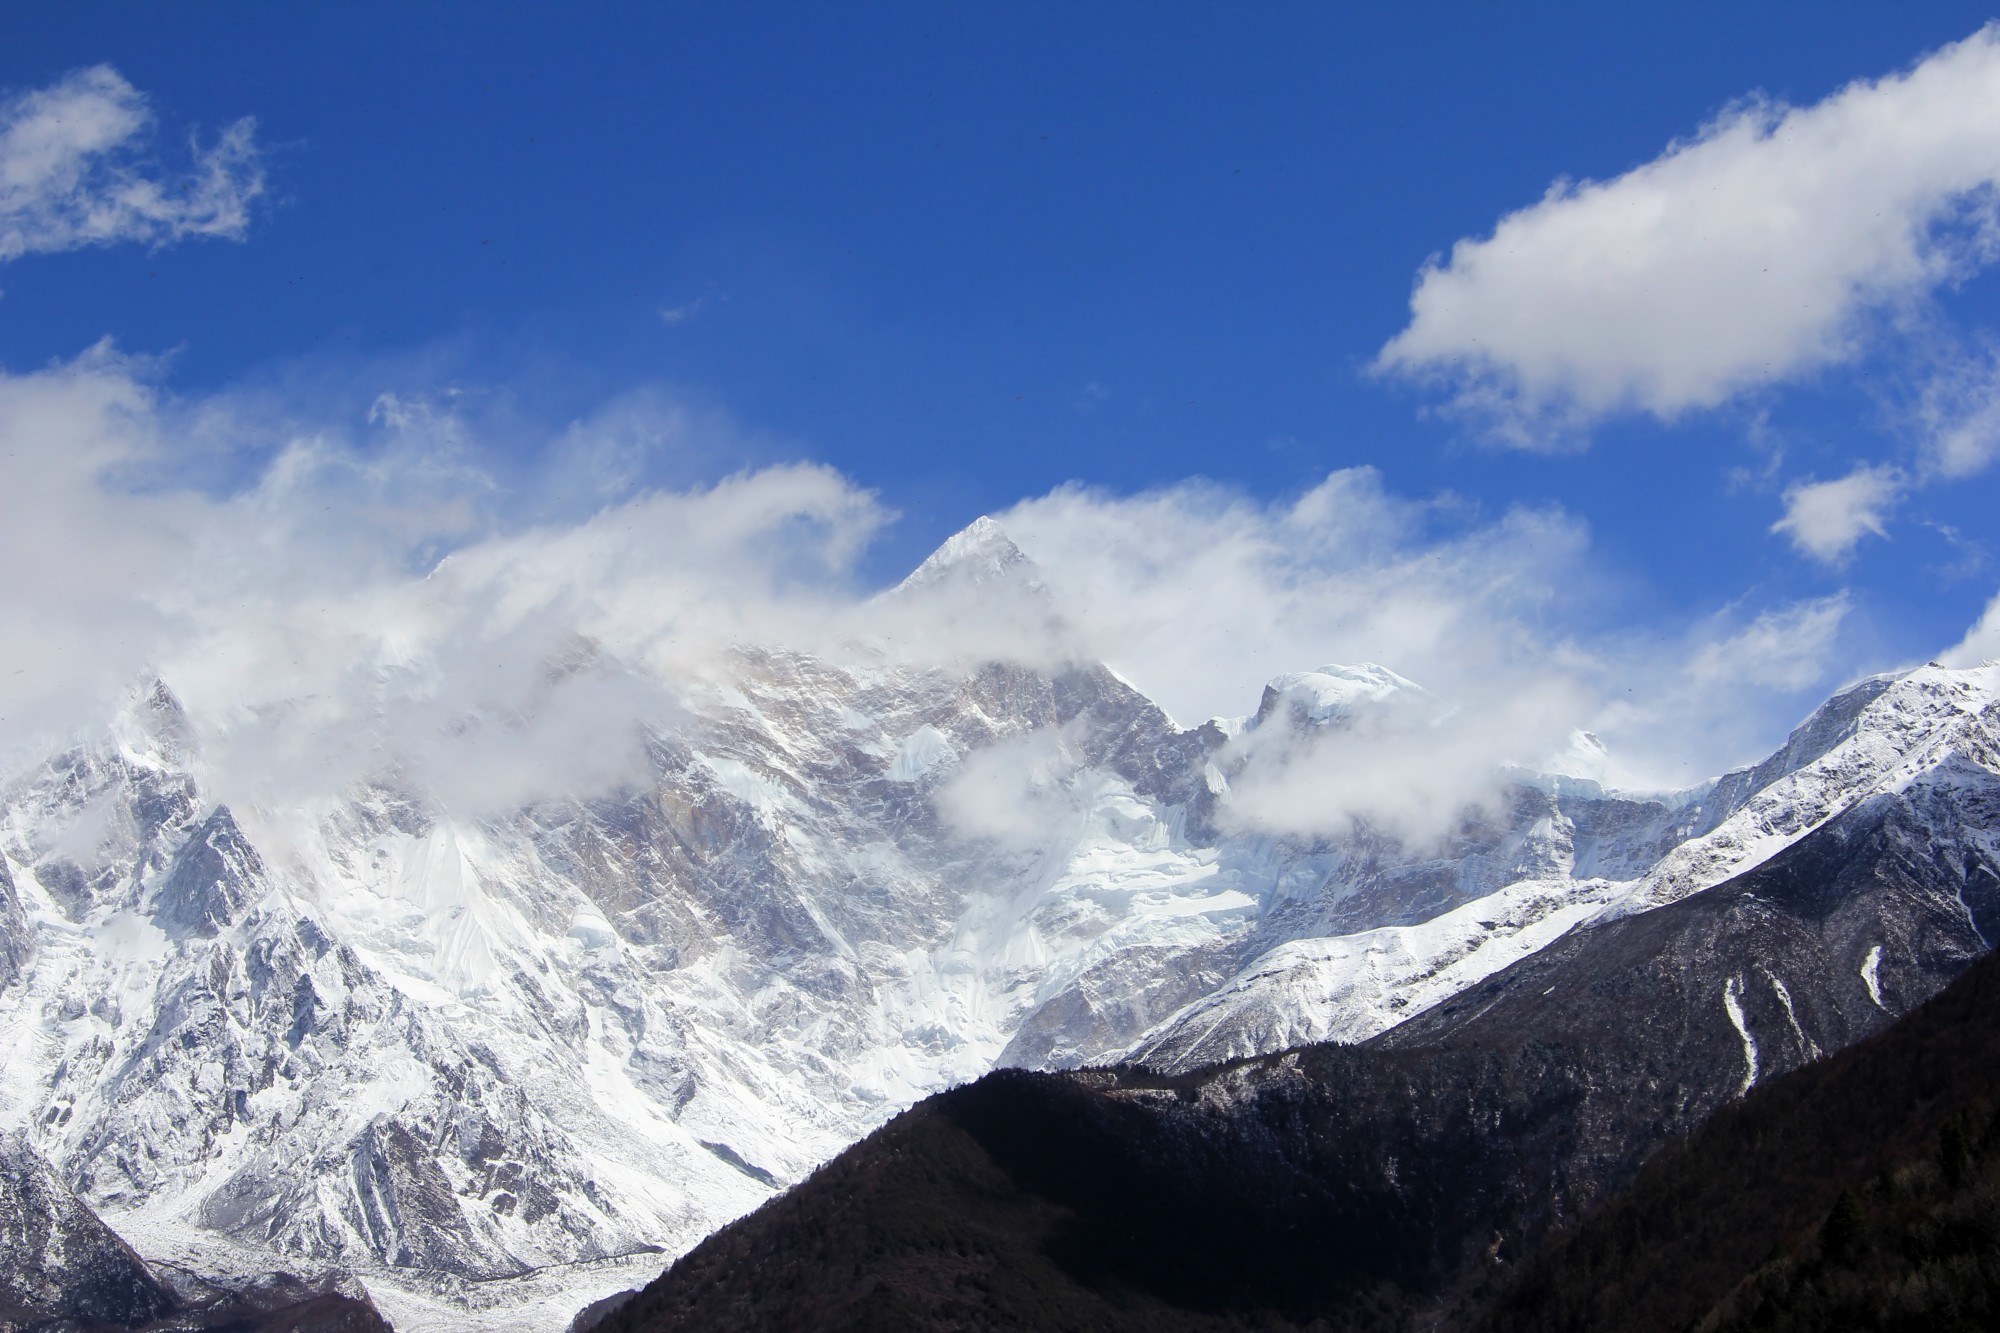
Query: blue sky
[{"x": 963, "y": 256}]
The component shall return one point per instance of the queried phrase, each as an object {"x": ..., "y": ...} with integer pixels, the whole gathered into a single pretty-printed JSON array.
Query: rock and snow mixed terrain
[
  {"x": 464, "y": 1057},
  {"x": 1405, "y": 1181},
  {"x": 1579, "y": 854}
]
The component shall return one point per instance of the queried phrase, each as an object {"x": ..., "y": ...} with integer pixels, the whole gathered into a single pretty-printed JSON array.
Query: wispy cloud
[
  {"x": 1981, "y": 643},
  {"x": 1090, "y": 397},
  {"x": 1412, "y": 766},
  {"x": 368, "y": 593},
  {"x": 1199, "y": 593},
  {"x": 1957, "y": 415},
  {"x": 682, "y": 313},
  {"x": 75, "y": 172},
  {"x": 1827, "y": 519},
  {"x": 1753, "y": 254},
  {"x": 1786, "y": 648}
]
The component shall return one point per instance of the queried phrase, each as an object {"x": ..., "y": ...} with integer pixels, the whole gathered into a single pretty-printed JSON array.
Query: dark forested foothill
[
  {"x": 1028, "y": 1201},
  {"x": 1862, "y": 1192}
]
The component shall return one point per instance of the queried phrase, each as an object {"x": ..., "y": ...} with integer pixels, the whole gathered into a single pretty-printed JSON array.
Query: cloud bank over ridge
[
  {"x": 340, "y": 594},
  {"x": 366, "y": 595}
]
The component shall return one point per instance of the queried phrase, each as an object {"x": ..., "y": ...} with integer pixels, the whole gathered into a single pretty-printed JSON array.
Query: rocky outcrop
[
  {"x": 212, "y": 878},
  {"x": 57, "y": 1260},
  {"x": 17, "y": 937}
]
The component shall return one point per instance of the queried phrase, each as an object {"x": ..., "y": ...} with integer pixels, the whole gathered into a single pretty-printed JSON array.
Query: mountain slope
[
  {"x": 65, "y": 1269},
  {"x": 62, "y": 1262},
  {"x": 1360, "y": 1185},
  {"x": 1739, "y": 1224},
  {"x": 1584, "y": 855}
]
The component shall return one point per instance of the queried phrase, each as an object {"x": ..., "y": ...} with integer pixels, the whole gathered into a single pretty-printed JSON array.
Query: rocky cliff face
[
  {"x": 381, "y": 1034},
  {"x": 17, "y": 936},
  {"x": 62, "y": 1262},
  {"x": 66, "y": 1270}
]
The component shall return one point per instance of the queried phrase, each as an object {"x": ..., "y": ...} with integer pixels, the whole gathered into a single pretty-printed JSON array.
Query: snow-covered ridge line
[{"x": 1879, "y": 736}]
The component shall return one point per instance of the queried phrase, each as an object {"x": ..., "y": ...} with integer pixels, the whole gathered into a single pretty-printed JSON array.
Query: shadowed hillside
[{"x": 1862, "y": 1192}]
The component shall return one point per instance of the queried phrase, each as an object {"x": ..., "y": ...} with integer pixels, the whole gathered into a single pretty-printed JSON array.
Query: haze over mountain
[{"x": 375, "y": 1034}]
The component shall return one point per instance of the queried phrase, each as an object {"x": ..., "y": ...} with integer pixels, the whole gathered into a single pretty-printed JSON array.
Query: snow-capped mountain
[
  {"x": 1579, "y": 855},
  {"x": 444, "y": 1051},
  {"x": 1403, "y": 1181}
]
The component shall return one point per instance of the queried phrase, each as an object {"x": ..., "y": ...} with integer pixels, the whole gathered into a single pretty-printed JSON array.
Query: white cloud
[
  {"x": 1198, "y": 594},
  {"x": 317, "y": 637},
  {"x": 75, "y": 622},
  {"x": 1980, "y": 644},
  {"x": 1749, "y": 255},
  {"x": 1958, "y": 414},
  {"x": 1680, "y": 707},
  {"x": 1785, "y": 649},
  {"x": 373, "y": 600},
  {"x": 73, "y": 172},
  {"x": 1414, "y": 768},
  {"x": 1827, "y": 519},
  {"x": 1018, "y": 792},
  {"x": 520, "y": 664}
]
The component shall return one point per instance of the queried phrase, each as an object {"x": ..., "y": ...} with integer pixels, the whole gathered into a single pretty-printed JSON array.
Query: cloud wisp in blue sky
[{"x": 75, "y": 171}]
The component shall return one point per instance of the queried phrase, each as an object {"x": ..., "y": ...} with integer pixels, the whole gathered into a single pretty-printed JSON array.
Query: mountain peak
[
  {"x": 1583, "y": 756},
  {"x": 1333, "y": 692},
  {"x": 151, "y": 720},
  {"x": 979, "y": 553}
]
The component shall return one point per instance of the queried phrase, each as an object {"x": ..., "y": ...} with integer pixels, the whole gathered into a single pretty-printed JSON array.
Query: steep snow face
[
  {"x": 1594, "y": 856},
  {"x": 379, "y": 1035},
  {"x": 1348, "y": 988},
  {"x": 1885, "y": 734}
]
